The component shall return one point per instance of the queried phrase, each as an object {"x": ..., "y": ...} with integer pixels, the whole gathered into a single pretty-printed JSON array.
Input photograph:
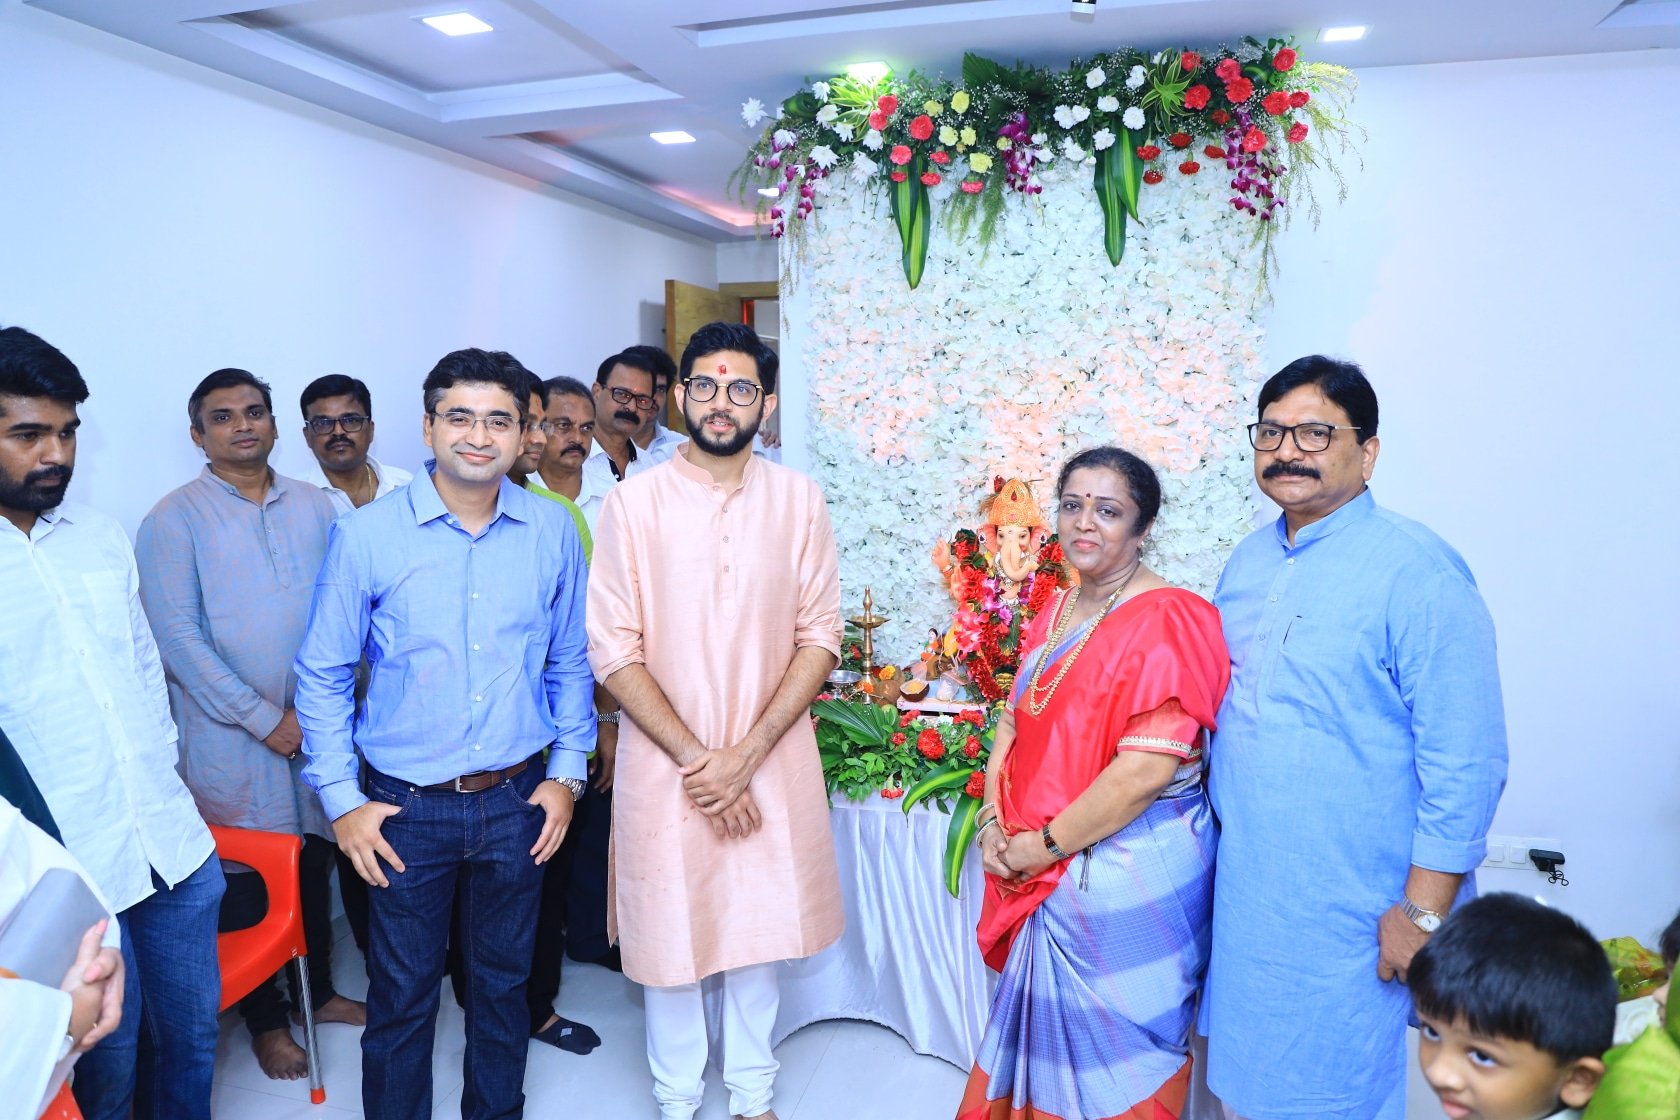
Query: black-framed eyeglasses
[
  {"x": 625, "y": 396},
  {"x": 460, "y": 420},
  {"x": 1308, "y": 437},
  {"x": 351, "y": 422},
  {"x": 741, "y": 392}
]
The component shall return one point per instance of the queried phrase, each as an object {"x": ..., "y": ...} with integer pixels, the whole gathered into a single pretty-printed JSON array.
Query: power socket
[{"x": 1511, "y": 852}]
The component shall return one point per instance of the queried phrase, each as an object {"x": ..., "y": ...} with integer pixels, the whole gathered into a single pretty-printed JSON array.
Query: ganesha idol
[{"x": 1001, "y": 574}]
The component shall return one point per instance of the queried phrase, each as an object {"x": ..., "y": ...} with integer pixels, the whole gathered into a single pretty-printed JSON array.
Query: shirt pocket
[
  {"x": 1315, "y": 661},
  {"x": 107, "y": 608}
]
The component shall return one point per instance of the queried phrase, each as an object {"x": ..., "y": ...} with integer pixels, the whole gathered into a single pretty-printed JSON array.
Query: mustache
[
  {"x": 53, "y": 475},
  {"x": 571, "y": 447},
  {"x": 724, "y": 416},
  {"x": 1299, "y": 470},
  {"x": 338, "y": 442},
  {"x": 627, "y": 415}
]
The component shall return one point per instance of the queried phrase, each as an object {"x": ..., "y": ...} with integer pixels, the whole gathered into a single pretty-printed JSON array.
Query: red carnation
[
  {"x": 1189, "y": 167},
  {"x": 941, "y": 157},
  {"x": 897, "y": 738},
  {"x": 1189, "y": 60},
  {"x": 898, "y": 176},
  {"x": 900, "y": 154},
  {"x": 921, "y": 127},
  {"x": 1238, "y": 90},
  {"x": 1148, "y": 152},
  {"x": 1299, "y": 98},
  {"x": 1219, "y": 116},
  {"x": 887, "y": 104},
  {"x": 931, "y": 746},
  {"x": 1228, "y": 69},
  {"x": 1297, "y": 133},
  {"x": 930, "y": 178},
  {"x": 1253, "y": 140},
  {"x": 1276, "y": 103},
  {"x": 1152, "y": 176},
  {"x": 893, "y": 793},
  {"x": 1284, "y": 60},
  {"x": 1196, "y": 97},
  {"x": 878, "y": 121},
  {"x": 1179, "y": 139},
  {"x": 972, "y": 186},
  {"x": 972, "y": 746},
  {"x": 976, "y": 786},
  {"x": 1214, "y": 151}
]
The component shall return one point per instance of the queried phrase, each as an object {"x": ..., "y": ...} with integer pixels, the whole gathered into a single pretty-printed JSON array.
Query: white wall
[
  {"x": 1509, "y": 281},
  {"x": 159, "y": 220}
]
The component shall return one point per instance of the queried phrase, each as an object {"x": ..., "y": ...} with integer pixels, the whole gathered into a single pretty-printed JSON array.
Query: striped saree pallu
[{"x": 1094, "y": 1006}]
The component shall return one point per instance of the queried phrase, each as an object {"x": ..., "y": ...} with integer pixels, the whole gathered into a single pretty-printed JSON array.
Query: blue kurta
[{"x": 1362, "y": 733}]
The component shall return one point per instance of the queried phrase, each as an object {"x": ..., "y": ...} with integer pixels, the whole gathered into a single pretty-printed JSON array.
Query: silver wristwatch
[
  {"x": 576, "y": 785},
  {"x": 607, "y": 717},
  {"x": 1426, "y": 920}
]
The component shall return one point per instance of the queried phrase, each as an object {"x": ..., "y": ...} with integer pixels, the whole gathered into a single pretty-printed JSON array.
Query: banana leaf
[
  {"x": 1118, "y": 179},
  {"x": 913, "y": 214}
]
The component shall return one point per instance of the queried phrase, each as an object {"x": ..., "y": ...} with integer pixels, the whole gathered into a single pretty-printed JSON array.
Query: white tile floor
[{"x": 829, "y": 1070}]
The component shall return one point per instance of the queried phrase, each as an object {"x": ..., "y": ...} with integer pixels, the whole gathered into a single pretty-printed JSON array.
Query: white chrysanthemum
[
  {"x": 1132, "y": 118},
  {"x": 752, "y": 112},
  {"x": 820, "y": 90},
  {"x": 843, "y": 130},
  {"x": 1040, "y": 138},
  {"x": 1108, "y": 103},
  {"x": 1080, "y": 112},
  {"x": 1135, "y": 78},
  {"x": 823, "y": 156},
  {"x": 872, "y": 140},
  {"x": 1072, "y": 150},
  {"x": 1064, "y": 115},
  {"x": 863, "y": 168},
  {"x": 828, "y": 114},
  {"x": 783, "y": 138},
  {"x": 1102, "y": 140},
  {"x": 1095, "y": 78}
]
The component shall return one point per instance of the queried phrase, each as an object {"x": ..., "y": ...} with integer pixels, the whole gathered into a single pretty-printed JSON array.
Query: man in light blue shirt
[
  {"x": 466, "y": 594},
  {"x": 1359, "y": 758}
]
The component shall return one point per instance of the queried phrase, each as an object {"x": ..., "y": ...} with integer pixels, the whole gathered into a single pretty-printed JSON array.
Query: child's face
[{"x": 1482, "y": 1078}]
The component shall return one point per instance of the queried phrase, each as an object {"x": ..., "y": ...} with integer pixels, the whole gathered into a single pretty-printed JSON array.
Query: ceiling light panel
[
  {"x": 457, "y": 23},
  {"x": 675, "y": 137},
  {"x": 1341, "y": 34}
]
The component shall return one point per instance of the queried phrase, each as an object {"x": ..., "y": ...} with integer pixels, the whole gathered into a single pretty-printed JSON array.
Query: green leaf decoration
[
  {"x": 958, "y": 838},
  {"x": 911, "y": 212},
  {"x": 865, "y": 724},
  {"x": 1110, "y": 185},
  {"x": 941, "y": 779},
  {"x": 978, "y": 71}
]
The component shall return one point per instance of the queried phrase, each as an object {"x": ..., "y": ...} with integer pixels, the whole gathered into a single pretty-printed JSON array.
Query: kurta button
[
  {"x": 475, "y": 594},
  {"x": 478, "y": 699},
  {"x": 1291, "y": 560},
  {"x": 475, "y": 647}
]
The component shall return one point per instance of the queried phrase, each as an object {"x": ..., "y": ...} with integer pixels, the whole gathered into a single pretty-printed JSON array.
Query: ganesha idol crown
[{"x": 1013, "y": 504}]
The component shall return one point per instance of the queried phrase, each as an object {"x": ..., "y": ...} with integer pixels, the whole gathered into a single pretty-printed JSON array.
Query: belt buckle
[{"x": 457, "y": 784}]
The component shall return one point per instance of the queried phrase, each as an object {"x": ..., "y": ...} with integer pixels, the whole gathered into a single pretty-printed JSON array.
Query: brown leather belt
[{"x": 480, "y": 780}]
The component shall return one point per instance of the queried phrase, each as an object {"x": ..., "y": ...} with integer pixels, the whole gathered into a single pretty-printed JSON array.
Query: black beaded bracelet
[{"x": 1050, "y": 844}]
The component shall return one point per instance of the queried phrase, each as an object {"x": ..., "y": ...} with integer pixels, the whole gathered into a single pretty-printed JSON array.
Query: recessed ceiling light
[
  {"x": 457, "y": 23},
  {"x": 869, "y": 72},
  {"x": 1341, "y": 34},
  {"x": 770, "y": 192},
  {"x": 678, "y": 137}
]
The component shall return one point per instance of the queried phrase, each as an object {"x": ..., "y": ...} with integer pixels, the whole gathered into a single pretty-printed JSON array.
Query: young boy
[{"x": 1517, "y": 1005}]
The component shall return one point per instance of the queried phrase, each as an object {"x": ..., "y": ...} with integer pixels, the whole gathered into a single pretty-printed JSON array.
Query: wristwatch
[
  {"x": 576, "y": 785},
  {"x": 606, "y": 717},
  {"x": 1426, "y": 920}
]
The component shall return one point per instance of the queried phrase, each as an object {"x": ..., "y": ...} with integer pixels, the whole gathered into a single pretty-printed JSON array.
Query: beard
[
  {"x": 726, "y": 445},
  {"x": 37, "y": 491}
]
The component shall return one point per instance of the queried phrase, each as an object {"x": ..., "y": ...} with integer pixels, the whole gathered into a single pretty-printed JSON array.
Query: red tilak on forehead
[{"x": 722, "y": 368}]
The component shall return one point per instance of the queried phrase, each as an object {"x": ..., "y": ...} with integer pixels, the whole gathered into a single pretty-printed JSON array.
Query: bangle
[
  {"x": 989, "y": 824},
  {"x": 1050, "y": 844}
]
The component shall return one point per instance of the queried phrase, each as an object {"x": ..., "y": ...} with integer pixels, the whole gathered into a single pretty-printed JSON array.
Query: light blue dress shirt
[
  {"x": 1362, "y": 733},
  {"x": 475, "y": 645}
]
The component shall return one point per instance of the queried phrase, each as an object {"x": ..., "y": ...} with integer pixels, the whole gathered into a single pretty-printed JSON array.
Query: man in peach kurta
[{"x": 714, "y": 617}]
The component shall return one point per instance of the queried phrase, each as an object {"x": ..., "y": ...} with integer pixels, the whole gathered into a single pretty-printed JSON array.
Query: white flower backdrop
[{"x": 1008, "y": 359}]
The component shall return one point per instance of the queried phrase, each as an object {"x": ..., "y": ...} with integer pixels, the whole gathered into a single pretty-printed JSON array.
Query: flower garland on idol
[{"x": 1130, "y": 118}]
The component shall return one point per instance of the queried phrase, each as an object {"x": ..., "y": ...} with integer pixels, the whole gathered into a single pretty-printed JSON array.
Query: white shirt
[
  {"x": 386, "y": 479},
  {"x": 598, "y": 475},
  {"x": 85, "y": 705},
  {"x": 33, "y": 1017}
]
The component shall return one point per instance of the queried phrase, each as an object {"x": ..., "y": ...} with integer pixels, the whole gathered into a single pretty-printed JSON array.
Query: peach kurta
[{"x": 714, "y": 591}]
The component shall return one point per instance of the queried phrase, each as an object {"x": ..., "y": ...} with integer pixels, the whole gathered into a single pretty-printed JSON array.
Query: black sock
[{"x": 572, "y": 1037}]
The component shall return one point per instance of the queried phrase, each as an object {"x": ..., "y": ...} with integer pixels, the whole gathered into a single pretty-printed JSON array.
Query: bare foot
[
  {"x": 338, "y": 1009},
  {"x": 280, "y": 1057}
]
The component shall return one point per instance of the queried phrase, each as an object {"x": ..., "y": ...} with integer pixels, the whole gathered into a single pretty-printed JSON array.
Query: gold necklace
[
  {"x": 1036, "y": 705},
  {"x": 372, "y": 483}
]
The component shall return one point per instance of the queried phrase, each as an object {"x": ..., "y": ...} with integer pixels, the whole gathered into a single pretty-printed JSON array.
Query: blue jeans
[
  {"x": 481, "y": 842},
  {"x": 162, "y": 1055}
]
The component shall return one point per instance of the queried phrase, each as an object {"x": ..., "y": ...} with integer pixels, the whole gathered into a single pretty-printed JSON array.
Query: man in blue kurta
[{"x": 1359, "y": 759}]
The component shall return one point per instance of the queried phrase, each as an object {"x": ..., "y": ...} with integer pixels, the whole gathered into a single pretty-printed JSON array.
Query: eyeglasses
[
  {"x": 1308, "y": 437},
  {"x": 351, "y": 422},
  {"x": 497, "y": 423},
  {"x": 220, "y": 416},
  {"x": 625, "y": 396},
  {"x": 741, "y": 391}
]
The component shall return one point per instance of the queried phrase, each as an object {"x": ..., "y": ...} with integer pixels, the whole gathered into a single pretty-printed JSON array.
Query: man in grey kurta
[{"x": 227, "y": 568}]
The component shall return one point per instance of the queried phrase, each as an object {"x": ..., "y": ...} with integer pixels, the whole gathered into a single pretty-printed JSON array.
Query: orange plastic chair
[{"x": 250, "y": 956}]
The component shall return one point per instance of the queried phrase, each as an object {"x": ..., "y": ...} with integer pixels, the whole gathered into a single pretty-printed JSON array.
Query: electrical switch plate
[{"x": 1511, "y": 852}]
